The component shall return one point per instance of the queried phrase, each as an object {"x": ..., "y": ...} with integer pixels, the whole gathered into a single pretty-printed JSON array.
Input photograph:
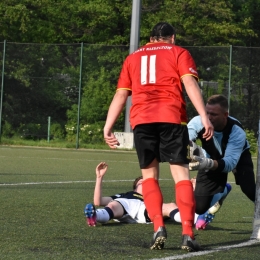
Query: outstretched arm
[
  {"x": 114, "y": 111},
  {"x": 100, "y": 172},
  {"x": 194, "y": 93}
]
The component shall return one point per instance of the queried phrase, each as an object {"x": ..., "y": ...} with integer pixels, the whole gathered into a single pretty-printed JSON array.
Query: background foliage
[{"x": 42, "y": 59}]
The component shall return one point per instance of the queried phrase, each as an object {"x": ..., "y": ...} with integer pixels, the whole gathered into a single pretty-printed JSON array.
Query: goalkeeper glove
[
  {"x": 200, "y": 163},
  {"x": 195, "y": 150}
]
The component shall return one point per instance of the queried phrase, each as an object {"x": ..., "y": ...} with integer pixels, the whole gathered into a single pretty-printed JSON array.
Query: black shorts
[
  {"x": 209, "y": 182},
  {"x": 166, "y": 142}
]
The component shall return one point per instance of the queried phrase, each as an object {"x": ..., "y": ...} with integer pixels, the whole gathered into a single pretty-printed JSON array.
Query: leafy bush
[
  {"x": 57, "y": 131},
  {"x": 32, "y": 131},
  {"x": 8, "y": 130},
  {"x": 92, "y": 134},
  {"x": 252, "y": 140},
  {"x": 88, "y": 133},
  {"x": 71, "y": 131}
]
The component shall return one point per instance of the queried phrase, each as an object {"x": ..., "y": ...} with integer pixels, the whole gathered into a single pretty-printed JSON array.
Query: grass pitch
[{"x": 43, "y": 193}]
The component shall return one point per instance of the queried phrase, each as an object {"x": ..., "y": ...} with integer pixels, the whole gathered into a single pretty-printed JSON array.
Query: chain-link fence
[
  {"x": 233, "y": 72},
  {"x": 39, "y": 81},
  {"x": 70, "y": 87}
]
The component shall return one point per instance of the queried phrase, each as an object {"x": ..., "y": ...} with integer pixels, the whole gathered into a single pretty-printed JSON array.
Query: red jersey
[{"x": 153, "y": 75}]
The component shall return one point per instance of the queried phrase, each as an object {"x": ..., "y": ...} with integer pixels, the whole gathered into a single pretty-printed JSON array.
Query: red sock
[
  {"x": 186, "y": 204},
  {"x": 153, "y": 200}
]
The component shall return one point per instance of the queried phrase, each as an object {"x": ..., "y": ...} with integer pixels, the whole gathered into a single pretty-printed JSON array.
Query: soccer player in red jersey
[{"x": 154, "y": 75}]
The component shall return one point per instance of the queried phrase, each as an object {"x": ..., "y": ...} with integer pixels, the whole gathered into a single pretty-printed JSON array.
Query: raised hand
[{"x": 101, "y": 169}]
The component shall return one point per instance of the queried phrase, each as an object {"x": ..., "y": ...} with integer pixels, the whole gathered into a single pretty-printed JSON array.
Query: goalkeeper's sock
[
  {"x": 186, "y": 204},
  {"x": 219, "y": 197},
  {"x": 104, "y": 215},
  {"x": 153, "y": 201}
]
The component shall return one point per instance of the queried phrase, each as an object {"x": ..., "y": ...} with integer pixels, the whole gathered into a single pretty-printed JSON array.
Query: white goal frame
[{"x": 256, "y": 223}]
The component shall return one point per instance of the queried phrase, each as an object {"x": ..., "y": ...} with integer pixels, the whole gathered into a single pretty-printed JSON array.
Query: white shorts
[{"x": 135, "y": 211}]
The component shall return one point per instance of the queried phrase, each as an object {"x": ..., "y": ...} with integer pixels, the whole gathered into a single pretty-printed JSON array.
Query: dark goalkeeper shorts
[{"x": 164, "y": 141}]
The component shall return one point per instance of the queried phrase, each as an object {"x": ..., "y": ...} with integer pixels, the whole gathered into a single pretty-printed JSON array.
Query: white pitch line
[
  {"x": 200, "y": 253},
  {"x": 64, "y": 182},
  {"x": 65, "y": 159},
  {"x": 54, "y": 182}
]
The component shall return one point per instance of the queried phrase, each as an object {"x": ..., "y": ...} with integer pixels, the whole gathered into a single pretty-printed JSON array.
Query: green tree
[
  {"x": 201, "y": 23},
  {"x": 43, "y": 79},
  {"x": 249, "y": 10},
  {"x": 197, "y": 22},
  {"x": 38, "y": 80}
]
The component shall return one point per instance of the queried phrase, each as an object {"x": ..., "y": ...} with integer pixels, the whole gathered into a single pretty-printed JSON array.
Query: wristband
[{"x": 221, "y": 165}]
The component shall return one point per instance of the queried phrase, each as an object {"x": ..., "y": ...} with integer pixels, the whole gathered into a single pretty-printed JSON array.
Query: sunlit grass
[{"x": 43, "y": 193}]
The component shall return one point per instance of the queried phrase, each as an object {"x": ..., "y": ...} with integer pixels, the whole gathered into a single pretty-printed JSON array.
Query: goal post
[{"x": 256, "y": 223}]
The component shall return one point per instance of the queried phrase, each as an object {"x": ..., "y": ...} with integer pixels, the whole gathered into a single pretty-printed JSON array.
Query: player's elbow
[
  {"x": 97, "y": 203},
  {"x": 121, "y": 96}
]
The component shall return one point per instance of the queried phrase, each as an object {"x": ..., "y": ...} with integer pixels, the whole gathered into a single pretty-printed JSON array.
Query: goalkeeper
[{"x": 228, "y": 151}]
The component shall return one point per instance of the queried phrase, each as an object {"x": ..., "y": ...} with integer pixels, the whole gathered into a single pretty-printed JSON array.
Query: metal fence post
[
  {"x": 134, "y": 44},
  {"x": 49, "y": 128},
  {"x": 79, "y": 97},
  {"x": 229, "y": 77},
  {"x": 2, "y": 89}
]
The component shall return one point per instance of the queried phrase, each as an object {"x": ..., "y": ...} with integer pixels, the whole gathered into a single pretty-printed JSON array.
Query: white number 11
[{"x": 144, "y": 69}]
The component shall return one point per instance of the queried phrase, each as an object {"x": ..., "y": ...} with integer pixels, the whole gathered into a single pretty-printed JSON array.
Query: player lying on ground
[{"x": 126, "y": 207}]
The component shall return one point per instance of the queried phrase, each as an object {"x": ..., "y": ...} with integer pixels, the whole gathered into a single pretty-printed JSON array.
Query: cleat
[
  {"x": 190, "y": 244},
  {"x": 203, "y": 220},
  {"x": 90, "y": 213},
  {"x": 159, "y": 238}
]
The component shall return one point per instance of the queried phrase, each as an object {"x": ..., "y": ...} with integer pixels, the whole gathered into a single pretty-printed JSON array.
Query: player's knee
[
  {"x": 116, "y": 208},
  {"x": 200, "y": 208}
]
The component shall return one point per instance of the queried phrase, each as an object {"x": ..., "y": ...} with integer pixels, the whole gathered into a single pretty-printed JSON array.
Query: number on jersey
[{"x": 145, "y": 69}]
